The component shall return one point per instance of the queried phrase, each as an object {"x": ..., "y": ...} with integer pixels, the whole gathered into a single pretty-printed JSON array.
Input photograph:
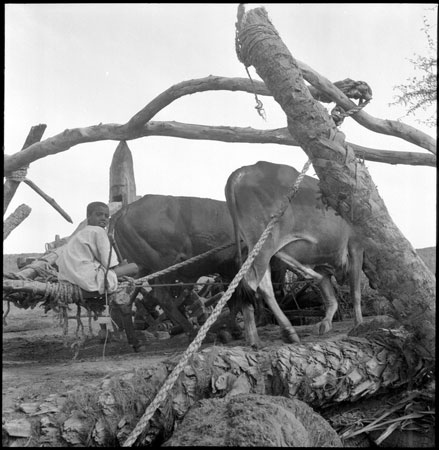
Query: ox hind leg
[
  {"x": 356, "y": 253},
  {"x": 250, "y": 330},
  {"x": 331, "y": 304},
  {"x": 287, "y": 330}
]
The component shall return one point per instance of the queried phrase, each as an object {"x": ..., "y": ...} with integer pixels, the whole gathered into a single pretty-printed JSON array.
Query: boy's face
[{"x": 100, "y": 217}]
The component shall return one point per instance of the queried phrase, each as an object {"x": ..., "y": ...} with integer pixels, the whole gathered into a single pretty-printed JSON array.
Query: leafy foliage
[{"x": 420, "y": 92}]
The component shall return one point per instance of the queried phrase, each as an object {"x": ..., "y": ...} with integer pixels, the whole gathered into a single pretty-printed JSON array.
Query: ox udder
[{"x": 308, "y": 238}]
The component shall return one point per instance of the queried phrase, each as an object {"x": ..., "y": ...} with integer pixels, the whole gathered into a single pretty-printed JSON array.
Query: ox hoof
[
  {"x": 323, "y": 327},
  {"x": 290, "y": 336},
  {"x": 255, "y": 345}
]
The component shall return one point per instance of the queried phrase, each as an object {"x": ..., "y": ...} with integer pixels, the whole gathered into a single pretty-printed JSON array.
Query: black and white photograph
[{"x": 219, "y": 224}]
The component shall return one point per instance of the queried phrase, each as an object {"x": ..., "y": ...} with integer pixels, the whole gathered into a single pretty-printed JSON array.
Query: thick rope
[
  {"x": 17, "y": 175},
  {"x": 338, "y": 114},
  {"x": 240, "y": 14},
  {"x": 196, "y": 343},
  {"x": 177, "y": 266}
]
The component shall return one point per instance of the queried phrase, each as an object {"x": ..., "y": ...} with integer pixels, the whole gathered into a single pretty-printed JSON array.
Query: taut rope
[{"x": 196, "y": 343}]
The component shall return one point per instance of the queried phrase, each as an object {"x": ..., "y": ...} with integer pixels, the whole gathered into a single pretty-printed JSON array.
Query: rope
[
  {"x": 338, "y": 114},
  {"x": 196, "y": 343},
  {"x": 17, "y": 175},
  {"x": 177, "y": 266},
  {"x": 240, "y": 14}
]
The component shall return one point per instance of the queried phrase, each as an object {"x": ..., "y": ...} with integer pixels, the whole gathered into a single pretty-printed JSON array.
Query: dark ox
[
  {"x": 308, "y": 238},
  {"x": 158, "y": 231}
]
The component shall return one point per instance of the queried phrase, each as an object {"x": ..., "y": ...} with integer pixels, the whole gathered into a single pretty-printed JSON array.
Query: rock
[
  {"x": 75, "y": 428},
  {"x": 148, "y": 336},
  {"x": 100, "y": 433},
  {"x": 162, "y": 335},
  {"x": 18, "y": 428},
  {"x": 28, "y": 408},
  {"x": 253, "y": 420},
  {"x": 49, "y": 431}
]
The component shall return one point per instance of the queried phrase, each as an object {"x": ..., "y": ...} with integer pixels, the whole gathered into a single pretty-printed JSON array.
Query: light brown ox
[{"x": 308, "y": 238}]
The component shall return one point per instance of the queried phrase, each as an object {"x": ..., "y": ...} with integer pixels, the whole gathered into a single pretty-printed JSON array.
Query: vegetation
[{"x": 420, "y": 92}]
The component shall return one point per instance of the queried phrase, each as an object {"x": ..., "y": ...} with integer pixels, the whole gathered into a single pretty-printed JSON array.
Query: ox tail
[{"x": 233, "y": 210}]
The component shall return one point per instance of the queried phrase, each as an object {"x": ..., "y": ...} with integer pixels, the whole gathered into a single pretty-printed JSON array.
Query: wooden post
[
  {"x": 11, "y": 184},
  {"x": 122, "y": 182},
  {"x": 15, "y": 219}
]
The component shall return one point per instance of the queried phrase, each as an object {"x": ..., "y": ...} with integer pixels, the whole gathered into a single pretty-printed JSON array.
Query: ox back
[
  {"x": 308, "y": 237},
  {"x": 158, "y": 231}
]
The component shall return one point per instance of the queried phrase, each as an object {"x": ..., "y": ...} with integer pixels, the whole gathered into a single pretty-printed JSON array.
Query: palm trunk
[
  {"x": 391, "y": 263},
  {"x": 319, "y": 374}
]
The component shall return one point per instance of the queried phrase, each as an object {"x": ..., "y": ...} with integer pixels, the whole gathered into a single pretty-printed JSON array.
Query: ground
[{"x": 38, "y": 363}]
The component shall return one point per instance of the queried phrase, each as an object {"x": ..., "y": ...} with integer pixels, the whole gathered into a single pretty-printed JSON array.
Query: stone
[
  {"x": 253, "y": 420},
  {"x": 18, "y": 428}
]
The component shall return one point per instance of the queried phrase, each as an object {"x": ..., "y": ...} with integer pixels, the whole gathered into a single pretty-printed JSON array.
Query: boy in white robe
[{"x": 88, "y": 261}]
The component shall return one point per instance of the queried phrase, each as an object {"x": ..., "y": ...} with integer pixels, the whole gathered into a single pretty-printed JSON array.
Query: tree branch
[
  {"x": 389, "y": 127},
  {"x": 135, "y": 127},
  {"x": 70, "y": 138},
  {"x": 48, "y": 199},
  {"x": 11, "y": 185}
]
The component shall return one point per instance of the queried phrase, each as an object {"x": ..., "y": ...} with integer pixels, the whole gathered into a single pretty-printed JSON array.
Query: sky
[{"x": 78, "y": 65}]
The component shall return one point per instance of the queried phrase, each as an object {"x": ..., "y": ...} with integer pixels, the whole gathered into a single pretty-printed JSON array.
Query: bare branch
[
  {"x": 389, "y": 127},
  {"x": 70, "y": 138}
]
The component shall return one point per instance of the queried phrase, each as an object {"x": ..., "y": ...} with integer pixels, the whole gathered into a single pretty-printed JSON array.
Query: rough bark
[
  {"x": 15, "y": 219},
  {"x": 69, "y": 138},
  {"x": 122, "y": 181},
  {"x": 11, "y": 185},
  {"x": 392, "y": 264},
  {"x": 318, "y": 373}
]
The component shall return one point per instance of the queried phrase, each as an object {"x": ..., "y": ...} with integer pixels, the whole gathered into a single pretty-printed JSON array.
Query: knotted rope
[
  {"x": 240, "y": 14},
  {"x": 17, "y": 175},
  {"x": 196, "y": 343},
  {"x": 338, "y": 114}
]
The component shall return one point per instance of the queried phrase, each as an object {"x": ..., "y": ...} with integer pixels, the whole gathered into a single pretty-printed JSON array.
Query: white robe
[{"x": 84, "y": 260}]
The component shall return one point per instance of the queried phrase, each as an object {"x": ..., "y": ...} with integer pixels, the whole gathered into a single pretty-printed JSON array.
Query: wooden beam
[{"x": 11, "y": 184}]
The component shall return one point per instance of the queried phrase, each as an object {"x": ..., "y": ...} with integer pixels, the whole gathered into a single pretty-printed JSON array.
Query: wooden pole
[
  {"x": 48, "y": 199},
  {"x": 122, "y": 182},
  {"x": 11, "y": 183},
  {"x": 15, "y": 219}
]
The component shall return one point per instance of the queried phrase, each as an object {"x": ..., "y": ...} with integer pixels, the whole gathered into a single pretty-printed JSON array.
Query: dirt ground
[{"x": 39, "y": 361}]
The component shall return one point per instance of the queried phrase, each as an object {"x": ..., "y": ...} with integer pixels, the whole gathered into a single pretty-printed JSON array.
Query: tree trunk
[
  {"x": 122, "y": 181},
  {"x": 391, "y": 263},
  {"x": 11, "y": 185},
  {"x": 15, "y": 219},
  {"x": 318, "y": 373}
]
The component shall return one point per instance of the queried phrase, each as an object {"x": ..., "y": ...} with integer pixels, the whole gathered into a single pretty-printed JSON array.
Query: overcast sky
[{"x": 77, "y": 65}]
